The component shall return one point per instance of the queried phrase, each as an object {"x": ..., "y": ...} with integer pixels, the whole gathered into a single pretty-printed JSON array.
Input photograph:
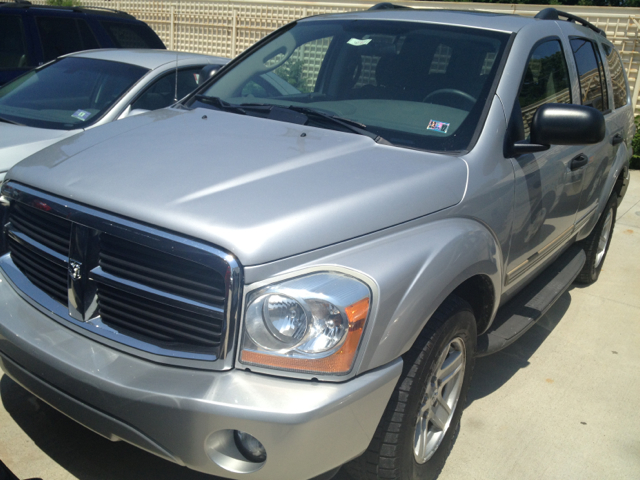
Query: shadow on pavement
[
  {"x": 495, "y": 370},
  {"x": 89, "y": 456},
  {"x": 84, "y": 454}
]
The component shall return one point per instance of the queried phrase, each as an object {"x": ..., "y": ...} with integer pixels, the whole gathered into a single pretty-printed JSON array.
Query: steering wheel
[{"x": 450, "y": 91}]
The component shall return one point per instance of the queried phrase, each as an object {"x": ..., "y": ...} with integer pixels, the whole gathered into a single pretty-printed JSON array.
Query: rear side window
[
  {"x": 593, "y": 91},
  {"x": 617, "y": 77},
  {"x": 60, "y": 36},
  {"x": 546, "y": 80},
  {"x": 13, "y": 50},
  {"x": 132, "y": 35}
]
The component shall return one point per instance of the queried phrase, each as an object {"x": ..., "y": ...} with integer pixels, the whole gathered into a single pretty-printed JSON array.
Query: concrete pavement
[{"x": 561, "y": 403}]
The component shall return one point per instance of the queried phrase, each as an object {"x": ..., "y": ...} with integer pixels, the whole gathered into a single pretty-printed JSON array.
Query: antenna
[{"x": 175, "y": 94}]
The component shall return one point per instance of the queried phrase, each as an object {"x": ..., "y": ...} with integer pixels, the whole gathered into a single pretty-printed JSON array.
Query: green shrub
[
  {"x": 635, "y": 144},
  {"x": 64, "y": 3}
]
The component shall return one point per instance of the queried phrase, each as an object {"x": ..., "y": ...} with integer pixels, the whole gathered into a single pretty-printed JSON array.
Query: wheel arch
[
  {"x": 458, "y": 256},
  {"x": 479, "y": 292}
]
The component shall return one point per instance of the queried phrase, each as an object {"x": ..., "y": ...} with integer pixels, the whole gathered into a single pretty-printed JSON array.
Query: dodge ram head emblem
[{"x": 74, "y": 270}]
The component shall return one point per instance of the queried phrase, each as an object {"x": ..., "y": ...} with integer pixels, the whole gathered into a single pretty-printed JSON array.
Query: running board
[{"x": 522, "y": 312}]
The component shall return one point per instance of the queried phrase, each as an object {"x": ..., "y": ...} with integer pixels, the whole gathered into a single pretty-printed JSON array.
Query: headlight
[{"x": 310, "y": 324}]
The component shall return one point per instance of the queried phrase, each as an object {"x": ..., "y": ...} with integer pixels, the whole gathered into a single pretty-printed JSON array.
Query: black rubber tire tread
[
  {"x": 589, "y": 273},
  {"x": 382, "y": 460}
]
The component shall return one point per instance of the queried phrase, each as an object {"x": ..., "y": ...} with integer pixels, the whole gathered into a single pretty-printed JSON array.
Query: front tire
[
  {"x": 596, "y": 245},
  {"x": 420, "y": 423}
]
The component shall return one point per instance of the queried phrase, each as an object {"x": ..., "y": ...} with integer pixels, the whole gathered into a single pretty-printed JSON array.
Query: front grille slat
[
  {"x": 149, "y": 280},
  {"x": 53, "y": 242},
  {"x": 149, "y": 317},
  {"x": 38, "y": 262},
  {"x": 51, "y": 231},
  {"x": 115, "y": 262},
  {"x": 175, "y": 266},
  {"x": 56, "y": 225},
  {"x": 49, "y": 278},
  {"x": 46, "y": 231},
  {"x": 198, "y": 321}
]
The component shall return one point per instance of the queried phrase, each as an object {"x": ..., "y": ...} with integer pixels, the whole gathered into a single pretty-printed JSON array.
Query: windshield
[
  {"x": 414, "y": 84},
  {"x": 70, "y": 93}
]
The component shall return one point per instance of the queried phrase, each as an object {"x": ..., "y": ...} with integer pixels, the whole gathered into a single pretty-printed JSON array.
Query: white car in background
[{"x": 87, "y": 89}]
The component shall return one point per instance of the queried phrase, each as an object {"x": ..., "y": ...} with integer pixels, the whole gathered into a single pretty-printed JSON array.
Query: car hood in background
[
  {"x": 18, "y": 142},
  {"x": 261, "y": 189}
]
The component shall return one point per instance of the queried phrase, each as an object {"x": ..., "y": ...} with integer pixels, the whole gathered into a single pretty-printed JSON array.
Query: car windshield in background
[
  {"x": 70, "y": 93},
  {"x": 414, "y": 84}
]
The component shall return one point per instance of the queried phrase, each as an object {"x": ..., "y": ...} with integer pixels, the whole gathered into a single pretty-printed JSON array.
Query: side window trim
[
  {"x": 610, "y": 85},
  {"x": 596, "y": 50},
  {"x": 625, "y": 76},
  {"x": 518, "y": 107},
  {"x": 604, "y": 80}
]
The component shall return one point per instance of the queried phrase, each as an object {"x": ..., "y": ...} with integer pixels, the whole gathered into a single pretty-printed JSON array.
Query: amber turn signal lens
[{"x": 339, "y": 362}]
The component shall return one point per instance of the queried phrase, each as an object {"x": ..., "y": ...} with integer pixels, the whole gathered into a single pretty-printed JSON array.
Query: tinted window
[
  {"x": 617, "y": 77},
  {"x": 71, "y": 93},
  {"x": 592, "y": 92},
  {"x": 13, "y": 50},
  {"x": 132, "y": 35},
  {"x": 546, "y": 80},
  {"x": 416, "y": 85},
  {"x": 162, "y": 92},
  {"x": 60, "y": 36}
]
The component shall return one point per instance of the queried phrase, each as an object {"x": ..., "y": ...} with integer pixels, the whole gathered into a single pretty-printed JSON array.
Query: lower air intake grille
[{"x": 148, "y": 319}]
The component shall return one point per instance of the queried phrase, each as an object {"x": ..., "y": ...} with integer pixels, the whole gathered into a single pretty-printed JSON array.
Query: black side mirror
[{"x": 563, "y": 124}]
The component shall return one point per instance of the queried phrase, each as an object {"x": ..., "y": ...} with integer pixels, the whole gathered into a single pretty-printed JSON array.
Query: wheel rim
[
  {"x": 604, "y": 238},
  {"x": 439, "y": 401}
]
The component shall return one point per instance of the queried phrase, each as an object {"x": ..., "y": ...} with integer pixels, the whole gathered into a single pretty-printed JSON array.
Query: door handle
[
  {"x": 579, "y": 161},
  {"x": 617, "y": 139}
]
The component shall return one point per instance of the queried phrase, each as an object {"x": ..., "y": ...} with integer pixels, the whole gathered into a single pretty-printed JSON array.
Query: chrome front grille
[
  {"x": 150, "y": 291},
  {"x": 198, "y": 323}
]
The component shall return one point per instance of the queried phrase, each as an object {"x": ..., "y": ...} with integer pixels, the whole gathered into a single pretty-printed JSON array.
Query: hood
[
  {"x": 262, "y": 189},
  {"x": 18, "y": 142}
]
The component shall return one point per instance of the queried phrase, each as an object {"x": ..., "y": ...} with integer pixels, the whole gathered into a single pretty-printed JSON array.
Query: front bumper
[{"x": 184, "y": 415}]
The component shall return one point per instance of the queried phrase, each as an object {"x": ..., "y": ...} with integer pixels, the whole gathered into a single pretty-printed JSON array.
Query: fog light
[{"x": 250, "y": 447}]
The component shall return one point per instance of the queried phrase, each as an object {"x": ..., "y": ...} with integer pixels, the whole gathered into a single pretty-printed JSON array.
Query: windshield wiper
[
  {"x": 351, "y": 125},
  {"x": 6, "y": 120},
  {"x": 220, "y": 104}
]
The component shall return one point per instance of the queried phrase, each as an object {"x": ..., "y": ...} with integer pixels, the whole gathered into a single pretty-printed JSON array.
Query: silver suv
[{"x": 299, "y": 263}]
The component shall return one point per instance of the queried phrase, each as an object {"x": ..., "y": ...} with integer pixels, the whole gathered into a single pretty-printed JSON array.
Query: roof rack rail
[
  {"x": 104, "y": 9},
  {"x": 389, "y": 6},
  {"x": 553, "y": 14}
]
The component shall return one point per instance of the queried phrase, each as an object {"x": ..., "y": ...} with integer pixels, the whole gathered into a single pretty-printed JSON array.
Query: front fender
[{"x": 415, "y": 269}]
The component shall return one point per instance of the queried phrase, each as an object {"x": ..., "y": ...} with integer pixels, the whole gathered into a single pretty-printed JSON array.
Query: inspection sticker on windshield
[
  {"x": 81, "y": 115},
  {"x": 438, "y": 126},
  {"x": 357, "y": 42}
]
